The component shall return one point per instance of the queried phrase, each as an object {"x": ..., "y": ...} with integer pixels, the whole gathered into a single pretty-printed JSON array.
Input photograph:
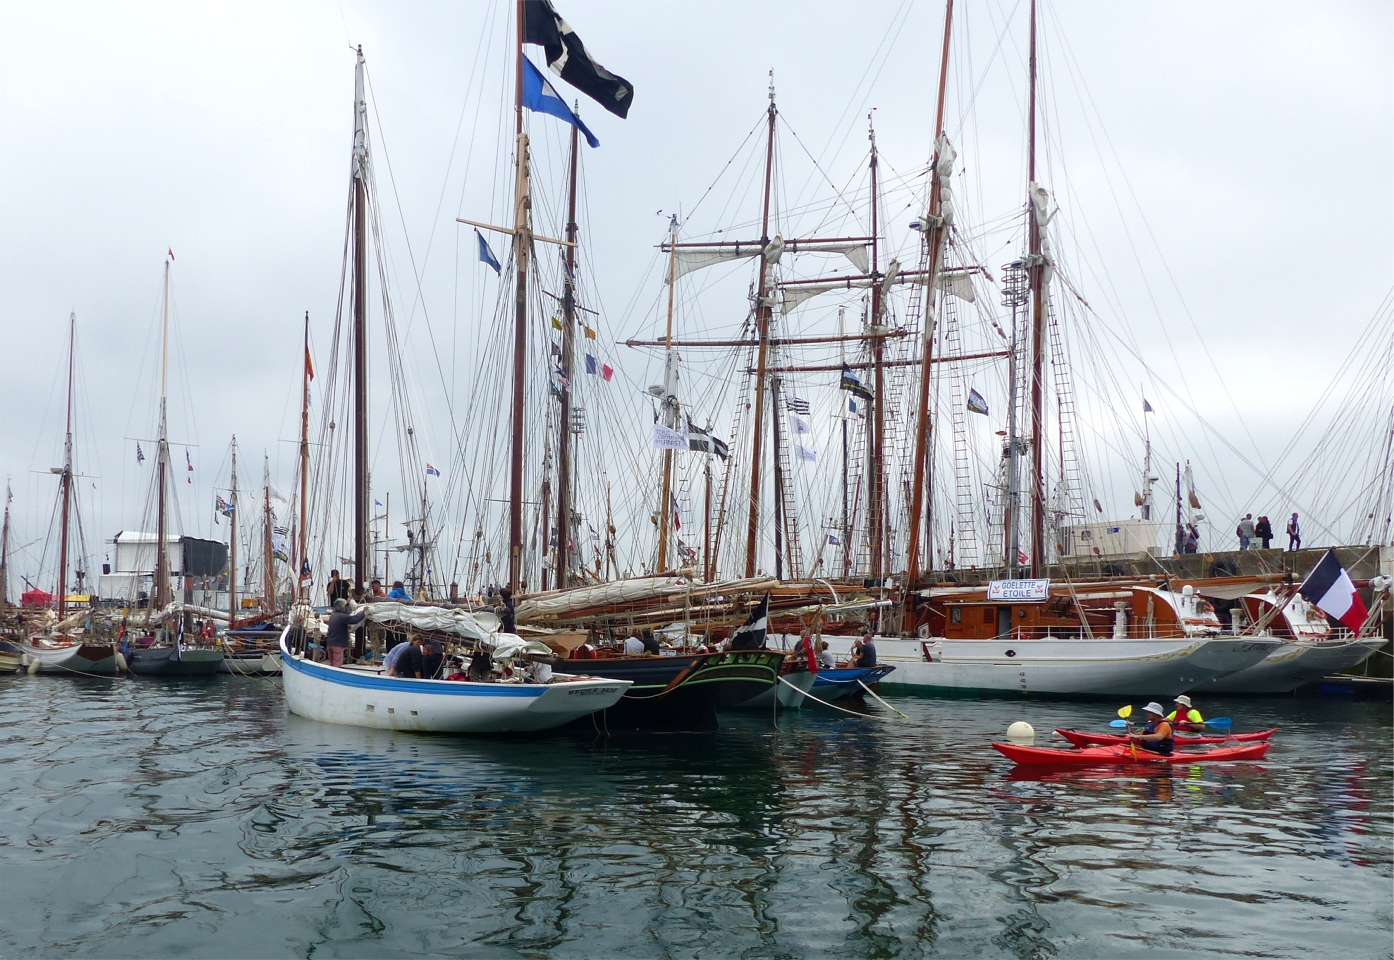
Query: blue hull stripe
[{"x": 440, "y": 688}]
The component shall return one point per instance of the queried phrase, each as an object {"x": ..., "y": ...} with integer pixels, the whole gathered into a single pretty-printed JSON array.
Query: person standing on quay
[
  {"x": 1294, "y": 534},
  {"x": 1245, "y": 531},
  {"x": 1264, "y": 531}
]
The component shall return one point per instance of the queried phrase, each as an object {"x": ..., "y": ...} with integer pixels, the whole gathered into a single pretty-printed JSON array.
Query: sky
[{"x": 1225, "y": 176}]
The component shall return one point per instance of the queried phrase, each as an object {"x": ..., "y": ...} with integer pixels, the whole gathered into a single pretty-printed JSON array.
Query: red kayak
[
  {"x": 1081, "y": 739},
  {"x": 1098, "y": 756}
]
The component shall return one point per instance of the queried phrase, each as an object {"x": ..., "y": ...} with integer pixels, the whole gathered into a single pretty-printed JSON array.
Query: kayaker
[
  {"x": 1185, "y": 717},
  {"x": 1156, "y": 735}
]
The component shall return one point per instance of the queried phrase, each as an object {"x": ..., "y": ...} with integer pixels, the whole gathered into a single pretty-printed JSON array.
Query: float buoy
[
  {"x": 121, "y": 663},
  {"x": 1021, "y": 730}
]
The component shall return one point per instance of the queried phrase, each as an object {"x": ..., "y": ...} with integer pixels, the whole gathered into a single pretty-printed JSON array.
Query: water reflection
[{"x": 159, "y": 818}]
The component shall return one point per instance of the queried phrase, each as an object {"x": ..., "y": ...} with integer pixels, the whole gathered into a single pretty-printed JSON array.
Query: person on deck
[
  {"x": 1185, "y": 717},
  {"x": 633, "y": 647},
  {"x": 826, "y": 660},
  {"x": 404, "y": 660},
  {"x": 339, "y": 622},
  {"x": 866, "y": 652},
  {"x": 1294, "y": 534},
  {"x": 650, "y": 643},
  {"x": 375, "y": 590},
  {"x": 1264, "y": 531},
  {"x": 1157, "y": 735},
  {"x": 1192, "y": 539},
  {"x": 338, "y": 588},
  {"x": 507, "y": 611},
  {"x": 398, "y": 592},
  {"x": 432, "y": 659}
]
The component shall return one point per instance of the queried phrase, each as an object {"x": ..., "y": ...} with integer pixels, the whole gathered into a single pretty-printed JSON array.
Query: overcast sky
[{"x": 1231, "y": 166}]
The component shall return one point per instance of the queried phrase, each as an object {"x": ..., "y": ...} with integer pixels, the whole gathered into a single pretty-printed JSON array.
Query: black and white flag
[
  {"x": 751, "y": 634},
  {"x": 568, "y": 58},
  {"x": 799, "y": 406},
  {"x": 702, "y": 441}
]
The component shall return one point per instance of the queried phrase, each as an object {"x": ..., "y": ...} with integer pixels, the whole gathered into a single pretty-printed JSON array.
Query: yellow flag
[
  {"x": 556, "y": 323},
  {"x": 590, "y": 334}
]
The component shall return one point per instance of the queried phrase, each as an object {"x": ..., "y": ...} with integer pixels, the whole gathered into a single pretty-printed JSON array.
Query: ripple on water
[{"x": 158, "y": 819}]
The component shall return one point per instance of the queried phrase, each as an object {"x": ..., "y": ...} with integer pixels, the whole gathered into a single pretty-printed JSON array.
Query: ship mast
[
  {"x": 302, "y": 590},
  {"x": 934, "y": 245},
  {"x": 522, "y": 248},
  {"x": 162, "y": 596},
  {"x": 665, "y": 494},
  {"x": 268, "y": 569},
  {"x": 5, "y": 551},
  {"x": 568, "y": 306},
  {"x": 877, "y": 494},
  {"x": 361, "y": 513},
  {"x": 762, "y": 323},
  {"x": 67, "y": 479},
  {"x": 1036, "y": 271},
  {"x": 232, "y": 545}
]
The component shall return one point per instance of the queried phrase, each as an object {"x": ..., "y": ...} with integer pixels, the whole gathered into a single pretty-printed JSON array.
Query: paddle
[
  {"x": 1124, "y": 713},
  {"x": 1219, "y": 723}
]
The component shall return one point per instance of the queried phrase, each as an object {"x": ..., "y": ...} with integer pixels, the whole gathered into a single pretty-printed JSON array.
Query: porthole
[{"x": 1011, "y": 653}]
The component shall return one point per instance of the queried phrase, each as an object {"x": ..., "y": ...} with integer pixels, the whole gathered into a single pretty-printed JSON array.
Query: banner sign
[{"x": 1018, "y": 590}]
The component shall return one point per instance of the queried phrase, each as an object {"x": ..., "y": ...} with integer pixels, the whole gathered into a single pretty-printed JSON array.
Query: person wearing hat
[
  {"x": 1185, "y": 717},
  {"x": 1156, "y": 734}
]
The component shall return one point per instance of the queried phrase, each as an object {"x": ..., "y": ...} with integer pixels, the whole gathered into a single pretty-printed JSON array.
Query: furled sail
[
  {"x": 691, "y": 257},
  {"x": 958, "y": 282}
]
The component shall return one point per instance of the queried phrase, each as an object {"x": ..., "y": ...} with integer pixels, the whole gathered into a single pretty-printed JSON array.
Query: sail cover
[
  {"x": 958, "y": 282},
  {"x": 688, "y": 259}
]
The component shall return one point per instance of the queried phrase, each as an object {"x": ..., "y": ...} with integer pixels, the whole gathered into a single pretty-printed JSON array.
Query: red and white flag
[
  {"x": 1330, "y": 588},
  {"x": 170, "y": 251}
]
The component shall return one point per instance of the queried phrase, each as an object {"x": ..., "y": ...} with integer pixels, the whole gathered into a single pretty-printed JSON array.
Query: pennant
[
  {"x": 540, "y": 96},
  {"x": 556, "y": 323},
  {"x": 191, "y": 465},
  {"x": 1330, "y": 588},
  {"x": 834, "y": 540},
  {"x": 559, "y": 380},
  {"x": 851, "y": 404},
  {"x": 377, "y": 503},
  {"x": 140, "y": 454},
  {"x": 751, "y": 634},
  {"x": 976, "y": 403},
  {"x": 568, "y": 57},
  {"x": 170, "y": 252},
  {"x": 806, "y": 454},
  {"x": 852, "y": 383},
  {"x": 799, "y": 405},
  {"x": 591, "y": 367},
  {"x": 1146, "y": 407},
  {"x": 607, "y": 372},
  {"x": 432, "y": 471},
  {"x": 798, "y": 424},
  {"x": 309, "y": 365},
  {"x": 485, "y": 254},
  {"x": 554, "y": 349}
]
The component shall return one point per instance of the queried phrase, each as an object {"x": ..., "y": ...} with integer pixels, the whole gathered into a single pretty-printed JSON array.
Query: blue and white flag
[
  {"x": 432, "y": 471},
  {"x": 486, "y": 255},
  {"x": 541, "y": 97},
  {"x": 976, "y": 403}
]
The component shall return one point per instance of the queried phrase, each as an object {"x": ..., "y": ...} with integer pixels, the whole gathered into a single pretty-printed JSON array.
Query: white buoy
[
  {"x": 1021, "y": 730},
  {"x": 121, "y": 662}
]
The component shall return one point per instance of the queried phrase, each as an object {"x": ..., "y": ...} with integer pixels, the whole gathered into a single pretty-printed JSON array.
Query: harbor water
[{"x": 148, "y": 818}]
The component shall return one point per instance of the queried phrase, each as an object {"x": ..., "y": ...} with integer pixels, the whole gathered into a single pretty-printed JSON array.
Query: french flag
[{"x": 1330, "y": 588}]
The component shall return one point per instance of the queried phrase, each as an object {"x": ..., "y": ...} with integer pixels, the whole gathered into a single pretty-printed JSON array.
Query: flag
[
  {"x": 1330, "y": 588},
  {"x": 306, "y": 577},
  {"x": 1021, "y": 556},
  {"x": 279, "y": 548},
  {"x": 751, "y": 634},
  {"x": 559, "y": 381},
  {"x": 590, "y": 333},
  {"x": 567, "y": 55},
  {"x": 851, "y": 404},
  {"x": 309, "y": 364},
  {"x": 140, "y": 454},
  {"x": 223, "y": 507},
  {"x": 556, "y": 323},
  {"x": 851, "y": 382},
  {"x": 170, "y": 251},
  {"x": 554, "y": 349},
  {"x": 190, "y": 463},
  {"x": 590, "y": 365},
  {"x": 666, "y": 438},
  {"x": 976, "y": 403},
  {"x": 1146, "y": 407},
  {"x": 703, "y": 442},
  {"x": 798, "y": 424},
  {"x": 799, "y": 405},
  {"x": 607, "y": 372},
  {"x": 677, "y": 515},
  {"x": 540, "y": 96},
  {"x": 485, "y": 254},
  {"x": 377, "y": 502},
  {"x": 432, "y": 471},
  {"x": 807, "y": 454},
  {"x": 834, "y": 540}
]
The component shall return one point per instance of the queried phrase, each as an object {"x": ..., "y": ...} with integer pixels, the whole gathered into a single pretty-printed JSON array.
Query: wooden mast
[
  {"x": 707, "y": 574},
  {"x": 665, "y": 494},
  {"x": 67, "y": 479},
  {"x": 361, "y": 513},
  {"x": 162, "y": 596},
  {"x": 568, "y": 334},
  {"x": 522, "y": 248},
  {"x": 5, "y": 551},
  {"x": 934, "y": 243},
  {"x": 268, "y": 569},
  {"x": 232, "y": 545},
  {"x": 302, "y": 590},
  {"x": 762, "y": 324},
  {"x": 1036, "y": 271},
  {"x": 876, "y": 499}
]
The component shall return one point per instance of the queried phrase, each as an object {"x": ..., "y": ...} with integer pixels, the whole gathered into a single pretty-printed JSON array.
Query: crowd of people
[{"x": 1250, "y": 529}]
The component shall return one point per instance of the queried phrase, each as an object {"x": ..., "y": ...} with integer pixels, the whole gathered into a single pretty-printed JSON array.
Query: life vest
[
  {"x": 1191, "y": 721},
  {"x": 1164, "y": 746}
]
